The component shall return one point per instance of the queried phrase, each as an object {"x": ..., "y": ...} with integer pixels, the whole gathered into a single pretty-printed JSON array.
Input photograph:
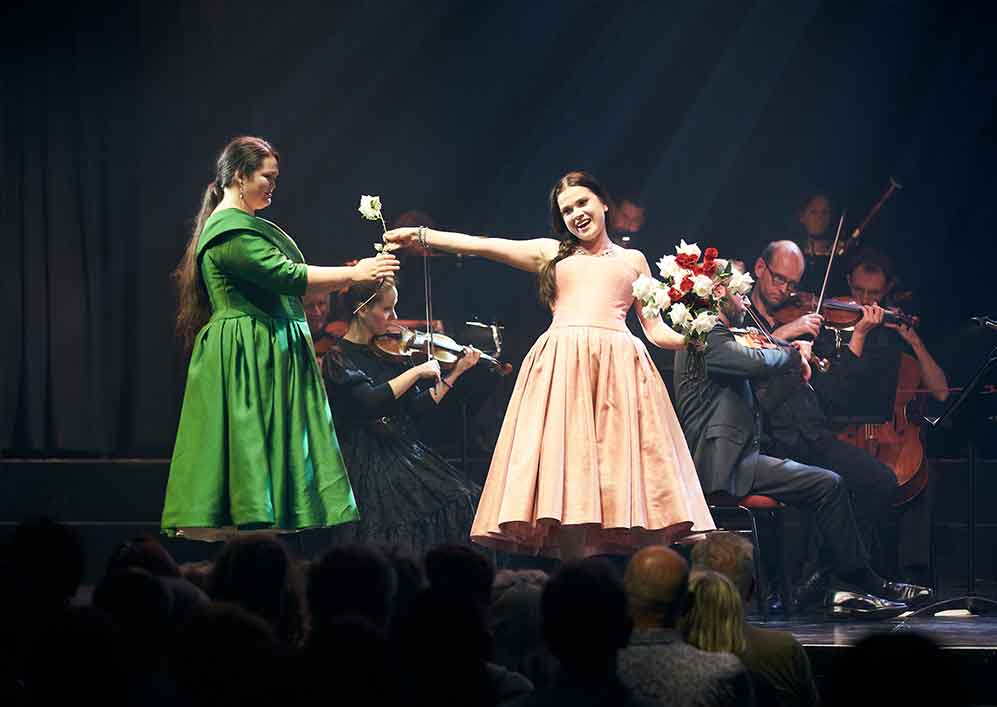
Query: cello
[{"x": 899, "y": 442}]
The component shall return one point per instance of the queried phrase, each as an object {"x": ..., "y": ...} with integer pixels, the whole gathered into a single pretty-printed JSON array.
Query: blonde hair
[{"x": 714, "y": 619}]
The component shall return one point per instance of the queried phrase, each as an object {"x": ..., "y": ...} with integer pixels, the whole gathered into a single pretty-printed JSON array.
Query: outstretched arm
[
  {"x": 323, "y": 279},
  {"x": 529, "y": 255}
]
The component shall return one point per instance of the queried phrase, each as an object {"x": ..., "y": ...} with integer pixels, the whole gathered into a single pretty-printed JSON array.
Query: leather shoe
[
  {"x": 914, "y": 595},
  {"x": 810, "y": 592},
  {"x": 843, "y": 604}
]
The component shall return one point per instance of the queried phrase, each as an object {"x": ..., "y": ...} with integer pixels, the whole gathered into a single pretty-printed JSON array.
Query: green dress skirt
[{"x": 255, "y": 448}]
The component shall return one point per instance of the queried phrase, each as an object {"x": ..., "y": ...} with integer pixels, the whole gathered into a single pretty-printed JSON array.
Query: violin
[
  {"x": 838, "y": 312},
  {"x": 404, "y": 344},
  {"x": 754, "y": 339}
]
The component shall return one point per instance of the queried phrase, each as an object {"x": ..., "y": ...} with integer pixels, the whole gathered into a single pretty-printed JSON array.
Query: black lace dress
[{"x": 407, "y": 494}]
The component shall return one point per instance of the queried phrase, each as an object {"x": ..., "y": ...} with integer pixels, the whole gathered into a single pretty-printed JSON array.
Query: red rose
[
  {"x": 709, "y": 268},
  {"x": 710, "y": 254},
  {"x": 674, "y": 295},
  {"x": 686, "y": 284},
  {"x": 685, "y": 260},
  {"x": 697, "y": 270}
]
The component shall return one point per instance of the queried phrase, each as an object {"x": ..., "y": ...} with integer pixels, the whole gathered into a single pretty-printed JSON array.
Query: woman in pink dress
[{"x": 590, "y": 458}]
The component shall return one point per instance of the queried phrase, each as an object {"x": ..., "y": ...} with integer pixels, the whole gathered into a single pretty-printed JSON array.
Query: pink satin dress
[{"x": 590, "y": 437}]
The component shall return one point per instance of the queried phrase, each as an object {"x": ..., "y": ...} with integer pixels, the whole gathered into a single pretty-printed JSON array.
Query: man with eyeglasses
[{"x": 797, "y": 428}]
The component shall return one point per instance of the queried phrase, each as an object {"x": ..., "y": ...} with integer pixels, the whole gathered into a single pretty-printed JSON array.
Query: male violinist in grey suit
[{"x": 721, "y": 420}]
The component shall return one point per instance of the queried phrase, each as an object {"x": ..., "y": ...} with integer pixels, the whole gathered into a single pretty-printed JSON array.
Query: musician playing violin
[
  {"x": 871, "y": 281},
  {"x": 796, "y": 426},
  {"x": 407, "y": 494}
]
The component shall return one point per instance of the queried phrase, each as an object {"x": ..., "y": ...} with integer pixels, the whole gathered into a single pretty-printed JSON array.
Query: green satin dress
[{"x": 255, "y": 448}]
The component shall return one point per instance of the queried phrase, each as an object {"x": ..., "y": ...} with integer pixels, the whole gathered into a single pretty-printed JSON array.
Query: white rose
[
  {"x": 704, "y": 322},
  {"x": 684, "y": 248},
  {"x": 679, "y": 314},
  {"x": 659, "y": 299},
  {"x": 669, "y": 268},
  {"x": 702, "y": 285},
  {"x": 740, "y": 282},
  {"x": 721, "y": 264},
  {"x": 643, "y": 287},
  {"x": 370, "y": 207}
]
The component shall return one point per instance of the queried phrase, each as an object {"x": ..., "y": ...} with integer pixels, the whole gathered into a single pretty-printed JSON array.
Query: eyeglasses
[{"x": 781, "y": 281}]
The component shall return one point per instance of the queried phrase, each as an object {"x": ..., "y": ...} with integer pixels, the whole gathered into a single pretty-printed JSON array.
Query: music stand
[{"x": 971, "y": 602}]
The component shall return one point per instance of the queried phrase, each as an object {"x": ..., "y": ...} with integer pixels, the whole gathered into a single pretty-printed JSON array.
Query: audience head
[
  {"x": 514, "y": 621},
  {"x": 714, "y": 618},
  {"x": 862, "y": 675},
  {"x": 461, "y": 569},
  {"x": 410, "y": 577},
  {"x": 657, "y": 582},
  {"x": 139, "y": 604},
  {"x": 351, "y": 580},
  {"x": 227, "y": 656},
  {"x": 256, "y": 572},
  {"x": 584, "y": 616},
  {"x": 46, "y": 558},
  {"x": 730, "y": 555},
  {"x": 145, "y": 552}
]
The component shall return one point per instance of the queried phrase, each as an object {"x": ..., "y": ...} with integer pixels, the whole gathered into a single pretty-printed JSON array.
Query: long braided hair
[{"x": 547, "y": 284}]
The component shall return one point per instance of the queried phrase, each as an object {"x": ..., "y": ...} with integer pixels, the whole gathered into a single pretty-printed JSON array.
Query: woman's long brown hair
[{"x": 241, "y": 157}]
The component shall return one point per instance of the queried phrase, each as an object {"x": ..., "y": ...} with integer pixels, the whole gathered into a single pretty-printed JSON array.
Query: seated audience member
[
  {"x": 514, "y": 622},
  {"x": 714, "y": 618},
  {"x": 147, "y": 553},
  {"x": 585, "y": 624},
  {"x": 461, "y": 569},
  {"x": 256, "y": 572},
  {"x": 897, "y": 669},
  {"x": 351, "y": 580},
  {"x": 778, "y": 664},
  {"x": 658, "y": 663},
  {"x": 226, "y": 656},
  {"x": 441, "y": 653}
]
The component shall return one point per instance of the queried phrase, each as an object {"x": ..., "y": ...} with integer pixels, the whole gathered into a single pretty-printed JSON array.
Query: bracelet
[{"x": 422, "y": 236}]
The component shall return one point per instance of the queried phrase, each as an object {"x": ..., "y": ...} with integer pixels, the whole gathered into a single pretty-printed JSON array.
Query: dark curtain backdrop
[{"x": 719, "y": 115}]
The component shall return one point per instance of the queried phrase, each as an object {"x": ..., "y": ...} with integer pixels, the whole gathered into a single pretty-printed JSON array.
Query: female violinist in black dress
[{"x": 407, "y": 494}]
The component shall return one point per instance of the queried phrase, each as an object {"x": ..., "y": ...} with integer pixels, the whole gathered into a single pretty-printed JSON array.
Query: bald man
[{"x": 658, "y": 663}]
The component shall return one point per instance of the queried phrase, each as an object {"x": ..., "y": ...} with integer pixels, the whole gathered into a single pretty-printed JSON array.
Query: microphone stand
[{"x": 971, "y": 601}]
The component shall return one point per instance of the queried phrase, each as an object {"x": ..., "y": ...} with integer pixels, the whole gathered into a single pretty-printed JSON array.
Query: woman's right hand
[
  {"x": 404, "y": 237},
  {"x": 429, "y": 369},
  {"x": 378, "y": 267}
]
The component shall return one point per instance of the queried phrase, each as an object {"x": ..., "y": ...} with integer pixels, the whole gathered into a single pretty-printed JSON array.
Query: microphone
[{"x": 986, "y": 322}]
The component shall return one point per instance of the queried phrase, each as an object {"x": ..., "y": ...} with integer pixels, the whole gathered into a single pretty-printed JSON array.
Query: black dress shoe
[
  {"x": 914, "y": 595},
  {"x": 811, "y": 592},
  {"x": 843, "y": 604}
]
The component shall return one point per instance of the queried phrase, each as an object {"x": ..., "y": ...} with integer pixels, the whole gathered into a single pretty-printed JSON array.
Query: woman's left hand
[{"x": 469, "y": 359}]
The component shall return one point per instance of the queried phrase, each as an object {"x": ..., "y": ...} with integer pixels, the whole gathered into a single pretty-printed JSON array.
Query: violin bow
[
  {"x": 830, "y": 261},
  {"x": 428, "y": 291}
]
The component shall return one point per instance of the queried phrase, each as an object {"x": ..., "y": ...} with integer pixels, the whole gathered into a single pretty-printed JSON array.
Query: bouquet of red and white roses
[{"x": 691, "y": 291}]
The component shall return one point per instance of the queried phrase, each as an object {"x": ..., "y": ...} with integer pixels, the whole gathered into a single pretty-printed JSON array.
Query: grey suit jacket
[{"x": 717, "y": 409}]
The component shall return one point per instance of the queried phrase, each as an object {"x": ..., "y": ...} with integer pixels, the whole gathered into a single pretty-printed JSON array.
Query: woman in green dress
[{"x": 255, "y": 448}]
